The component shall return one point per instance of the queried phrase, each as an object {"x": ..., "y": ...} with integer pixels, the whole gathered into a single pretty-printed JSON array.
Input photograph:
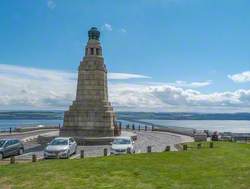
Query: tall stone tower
[{"x": 91, "y": 114}]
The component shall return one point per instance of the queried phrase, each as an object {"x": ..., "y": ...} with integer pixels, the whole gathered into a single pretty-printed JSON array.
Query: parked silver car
[
  {"x": 121, "y": 145},
  {"x": 61, "y": 147},
  {"x": 10, "y": 147}
]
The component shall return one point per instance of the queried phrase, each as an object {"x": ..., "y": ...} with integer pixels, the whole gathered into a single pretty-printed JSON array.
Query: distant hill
[
  {"x": 183, "y": 116},
  {"x": 50, "y": 115},
  {"x": 54, "y": 115}
]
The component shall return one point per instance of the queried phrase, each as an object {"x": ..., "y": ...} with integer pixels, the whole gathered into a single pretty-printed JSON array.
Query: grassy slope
[{"x": 225, "y": 166}]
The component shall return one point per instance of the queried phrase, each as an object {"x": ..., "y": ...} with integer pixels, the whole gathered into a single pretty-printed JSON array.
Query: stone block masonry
[{"x": 91, "y": 114}]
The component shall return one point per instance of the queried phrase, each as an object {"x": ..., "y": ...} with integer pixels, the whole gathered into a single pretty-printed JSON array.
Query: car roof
[
  {"x": 64, "y": 138},
  {"x": 7, "y": 139},
  {"x": 123, "y": 137}
]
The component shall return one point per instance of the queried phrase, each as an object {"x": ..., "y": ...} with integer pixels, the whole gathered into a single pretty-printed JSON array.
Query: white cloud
[
  {"x": 123, "y": 76},
  {"x": 35, "y": 88},
  {"x": 171, "y": 98},
  {"x": 41, "y": 88},
  {"x": 51, "y": 4},
  {"x": 123, "y": 30},
  {"x": 191, "y": 84},
  {"x": 32, "y": 88},
  {"x": 240, "y": 77},
  {"x": 107, "y": 27}
]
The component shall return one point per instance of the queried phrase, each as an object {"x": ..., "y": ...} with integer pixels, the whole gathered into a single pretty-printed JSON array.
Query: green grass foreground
[{"x": 227, "y": 165}]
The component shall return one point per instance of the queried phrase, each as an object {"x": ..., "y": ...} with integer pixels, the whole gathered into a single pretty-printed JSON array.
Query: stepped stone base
[
  {"x": 82, "y": 141},
  {"x": 44, "y": 139},
  {"x": 76, "y": 132}
]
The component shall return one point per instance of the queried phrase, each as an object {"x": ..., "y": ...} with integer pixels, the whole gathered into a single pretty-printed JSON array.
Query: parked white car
[
  {"x": 61, "y": 147},
  {"x": 121, "y": 145}
]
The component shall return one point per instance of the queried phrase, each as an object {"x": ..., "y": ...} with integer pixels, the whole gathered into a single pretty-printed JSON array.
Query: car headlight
[
  {"x": 64, "y": 151},
  {"x": 45, "y": 153}
]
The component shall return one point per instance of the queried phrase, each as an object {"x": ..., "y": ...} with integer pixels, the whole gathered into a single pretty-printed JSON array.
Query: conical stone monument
[{"x": 91, "y": 114}]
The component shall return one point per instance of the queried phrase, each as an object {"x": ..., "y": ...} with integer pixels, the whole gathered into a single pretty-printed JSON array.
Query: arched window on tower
[
  {"x": 97, "y": 51},
  {"x": 92, "y": 51}
]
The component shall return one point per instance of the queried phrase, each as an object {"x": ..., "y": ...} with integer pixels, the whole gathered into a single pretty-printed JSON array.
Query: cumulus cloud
[
  {"x": 127, "y": 96},
  {"x": 41, "y": 88},
  {"x": 32, "y": 88},
  {"x": 107, "y": 27},
  {"x": 240, "y": 77},
  {"x": 35, "y": 88},
  {"x": 51, "y": 4},
  {"x": 170, "y": 98}
]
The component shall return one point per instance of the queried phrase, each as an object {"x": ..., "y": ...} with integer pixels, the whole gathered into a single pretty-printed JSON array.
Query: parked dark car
[
  {"x": 10, "y": 147},
  {"x": 215, "y": 136}
]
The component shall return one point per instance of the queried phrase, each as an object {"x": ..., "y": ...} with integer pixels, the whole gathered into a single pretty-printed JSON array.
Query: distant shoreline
[
  {"x": 134, "y": 116},
  {"x": 239, "y": 122}
]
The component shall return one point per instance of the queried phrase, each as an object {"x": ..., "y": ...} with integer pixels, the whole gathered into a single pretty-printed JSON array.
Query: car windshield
[
  {"x": 59, "y": 142},
  {"x": 121, "y": 141},
  {"x": 2, "y": 142}
]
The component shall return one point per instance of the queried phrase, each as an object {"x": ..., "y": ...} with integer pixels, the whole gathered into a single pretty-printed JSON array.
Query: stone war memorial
[{"x": 91, "y": 115}]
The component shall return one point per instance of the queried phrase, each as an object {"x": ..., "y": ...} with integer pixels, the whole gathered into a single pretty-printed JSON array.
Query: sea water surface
[
  {"x": 235, "y": 126},
  {"x": 5, "y": 124}
]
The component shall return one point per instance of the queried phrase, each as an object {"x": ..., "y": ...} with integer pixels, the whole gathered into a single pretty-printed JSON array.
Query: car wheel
[
  {"x": 68, "y": 155},
  {"x": 75, "y": 150},
  {"x": 1, "y": 156},
  {"x": 20, "y": 152}
]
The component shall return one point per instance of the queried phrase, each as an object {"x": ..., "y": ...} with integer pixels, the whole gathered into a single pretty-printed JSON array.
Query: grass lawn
[{"x": 227, "y": 165}]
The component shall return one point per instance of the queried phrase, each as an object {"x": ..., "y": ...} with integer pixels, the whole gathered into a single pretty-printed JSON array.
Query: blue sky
[{"x": 174, "y": 47}]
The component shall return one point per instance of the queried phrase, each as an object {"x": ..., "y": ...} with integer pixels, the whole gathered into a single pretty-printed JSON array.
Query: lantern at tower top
[{"x": 93, "y": 33}]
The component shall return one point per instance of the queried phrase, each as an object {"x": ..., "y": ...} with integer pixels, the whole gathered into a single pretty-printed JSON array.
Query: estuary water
[
  {"x": 5, "y": 124},
  {"x": 235, "y": 126}
]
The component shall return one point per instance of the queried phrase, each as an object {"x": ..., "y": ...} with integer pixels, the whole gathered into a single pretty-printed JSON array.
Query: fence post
[
  {"x": 34, "y": 158},
  {"x": 128, "y": 150},
  {"x": 145, "y": 128},
  {"x": 82, "y": 153},
  {"x": 152, "y": 127},
  {"x": 149, "y": 149},
  {"x": 10, "y": 130},
  {"x": 167, "y": 149},
  {"x": 185, "y": 147},
  {"x": 133, "y": 127},
  {"x": 211, "y": 145},
  {"x": 105, "y": 152},
  {"x": 139, "y": 128},
  {"x": 12, "y": 160},
  {"x": 199, "y": 145}
]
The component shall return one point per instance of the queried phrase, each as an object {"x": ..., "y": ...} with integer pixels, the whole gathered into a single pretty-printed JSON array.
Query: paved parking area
[{"x": 157, "y": 140}]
